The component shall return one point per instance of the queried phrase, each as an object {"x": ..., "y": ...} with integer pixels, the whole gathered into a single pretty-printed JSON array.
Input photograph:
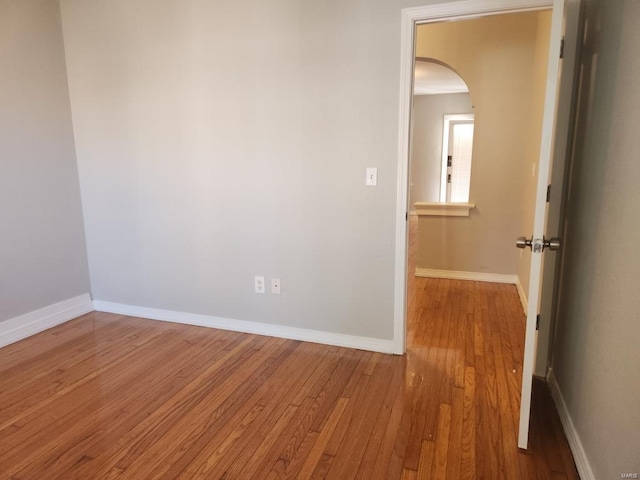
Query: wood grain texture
[{"x": 106, "y": 396}]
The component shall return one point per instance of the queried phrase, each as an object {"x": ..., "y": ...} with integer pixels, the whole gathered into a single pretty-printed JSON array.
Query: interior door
[{"x": 553, "y": 153}]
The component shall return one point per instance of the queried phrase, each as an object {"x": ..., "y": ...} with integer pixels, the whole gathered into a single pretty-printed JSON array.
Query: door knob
[
  {"x": 523, "y": 242},
  {"x": 537, "y": 245},
  {"x": 553, "y": 244}
]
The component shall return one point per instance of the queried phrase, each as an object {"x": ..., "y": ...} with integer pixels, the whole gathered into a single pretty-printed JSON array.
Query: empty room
[{"x": 214, "y": 262}]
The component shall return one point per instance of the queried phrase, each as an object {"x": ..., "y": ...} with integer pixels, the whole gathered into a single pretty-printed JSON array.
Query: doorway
[
  {"x": 419, "y": 16},
  {"x": 502, "y": 59},
  {"x": 466, "y": 10}
]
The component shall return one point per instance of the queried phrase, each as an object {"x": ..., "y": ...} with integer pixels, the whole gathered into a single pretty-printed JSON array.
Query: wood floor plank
[
  {"x": 507, "y": 420},
  {"x": 243, "y": 467},
  {"x": 46, "y": 344},
  {"x": 376, "y": 437},
  {"x": 425, "y": 465},
  {"x": 383, "y": 460},
  {"x": 120, "y": 412},
  {"x": 284, "y": 384},
  {"x": 56, "y": 411},
  {"x": 185, "y": 424},
  {"x": 317, "y": 450},
  {"x": 135, "y": 441},
  {"x": 206, "y": 443},
  {"x": 351, "y": 454},
  {"x": 468, "y": 449},
  {"x": 55, "y": 348},
  {"x": 409, "y": 474},
  {"x": 454, "y": 454},
  {"x": 440, "y": 462},
  {"x": 30, "y": 402},
  {"x": 106, "y": 396}
]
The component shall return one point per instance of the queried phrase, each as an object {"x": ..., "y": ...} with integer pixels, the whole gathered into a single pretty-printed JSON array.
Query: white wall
[
  {"x": 42, "y": 250},
  {"x": 596, "y": 354},
  {"x": 426, "y": 142},
  {"x": 219, "y": 140}
]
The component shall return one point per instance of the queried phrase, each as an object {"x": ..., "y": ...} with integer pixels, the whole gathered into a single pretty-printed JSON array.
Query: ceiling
[{"x": 434, "y": 79}]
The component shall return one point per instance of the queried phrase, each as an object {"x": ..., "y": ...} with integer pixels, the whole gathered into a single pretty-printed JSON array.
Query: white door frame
[{"x": 411, "y": 17}]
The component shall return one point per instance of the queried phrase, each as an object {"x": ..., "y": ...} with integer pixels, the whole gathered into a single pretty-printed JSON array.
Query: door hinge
[
  {"x": 449, "y": 160},
  {"x": 538, "y": 322},
  {"x": 562, "y": 48},
  {"x": 406, "y": 216},
  {"x": 548, "y": 193}
]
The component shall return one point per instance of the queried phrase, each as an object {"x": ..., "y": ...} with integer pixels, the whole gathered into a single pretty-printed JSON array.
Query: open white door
[{"x": 553, "y": 153}]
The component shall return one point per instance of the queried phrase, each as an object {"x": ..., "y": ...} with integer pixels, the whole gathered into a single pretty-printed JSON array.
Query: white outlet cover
[{"x": 275, "y": 286}]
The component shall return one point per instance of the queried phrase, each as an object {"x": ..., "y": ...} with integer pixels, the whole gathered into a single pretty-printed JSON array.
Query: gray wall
[
  {"x": 426, "y": 142},
  {"x": 220, "y": 140},
  {"x": 42, "y": 249},
  {"x": 597, "y": 354}
]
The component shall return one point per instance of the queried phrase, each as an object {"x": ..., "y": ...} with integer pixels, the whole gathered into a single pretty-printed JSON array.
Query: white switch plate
[
  {"x": 372, "y": 177},
  {"x": 275, "y": 286},
  {"x": 259, "y": 284}
]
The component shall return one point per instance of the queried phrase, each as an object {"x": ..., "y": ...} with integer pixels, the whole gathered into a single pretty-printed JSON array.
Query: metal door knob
[
  {"x": 551, "y": 244},
  {"x": 523, "y": 242}
]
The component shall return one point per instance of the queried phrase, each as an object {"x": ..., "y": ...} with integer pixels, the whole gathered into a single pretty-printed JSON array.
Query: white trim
[
  {"x": 37, "y": 321},
  {"x": 523, "y": 295},
  {"x": 579, "y": 455},
  {"x": 409, "y": 19},
  {"x": 440, "y": 209},
  {"x": 244, "y": 326},
  {"x": 471, "y": 8},
  {"x": 473, "y": 276}
]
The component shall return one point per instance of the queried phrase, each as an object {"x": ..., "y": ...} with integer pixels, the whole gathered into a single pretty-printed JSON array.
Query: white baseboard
[
  {"x": 269, "y": 330},
  {"x": 474, "y": 276},
  {"x": 523, "y": 296},
  {"x": 24, "y": 326},
  {"x": 579, "y": 455}
]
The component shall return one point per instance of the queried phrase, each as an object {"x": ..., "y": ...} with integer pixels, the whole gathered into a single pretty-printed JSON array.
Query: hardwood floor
[{"x": 107, "y": 396}]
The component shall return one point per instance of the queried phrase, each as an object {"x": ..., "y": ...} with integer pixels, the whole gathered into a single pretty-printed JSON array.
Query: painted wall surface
[
  {"x": 596, "y": 354},
  {"x": 496, "y": 56},
  {"x": 220, "y": 140},
  {"x": 426, "y": 142},
  {"x": 42, "y": 249}
]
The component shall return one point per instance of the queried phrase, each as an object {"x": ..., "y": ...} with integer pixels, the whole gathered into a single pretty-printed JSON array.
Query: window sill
[{"x": 443, "y": 209}]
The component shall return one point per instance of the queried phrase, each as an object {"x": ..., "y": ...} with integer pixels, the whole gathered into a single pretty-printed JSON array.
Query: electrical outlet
[
  {"x": 275, "y": 286},
  {"x": 259, "y": 284}
]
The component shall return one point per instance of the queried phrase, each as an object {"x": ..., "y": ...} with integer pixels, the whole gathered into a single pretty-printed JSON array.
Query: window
[{"x": 457, "y": 149}]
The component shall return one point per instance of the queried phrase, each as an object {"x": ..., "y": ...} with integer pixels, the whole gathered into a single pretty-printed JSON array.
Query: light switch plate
[{"x": 372, "y": 177}]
